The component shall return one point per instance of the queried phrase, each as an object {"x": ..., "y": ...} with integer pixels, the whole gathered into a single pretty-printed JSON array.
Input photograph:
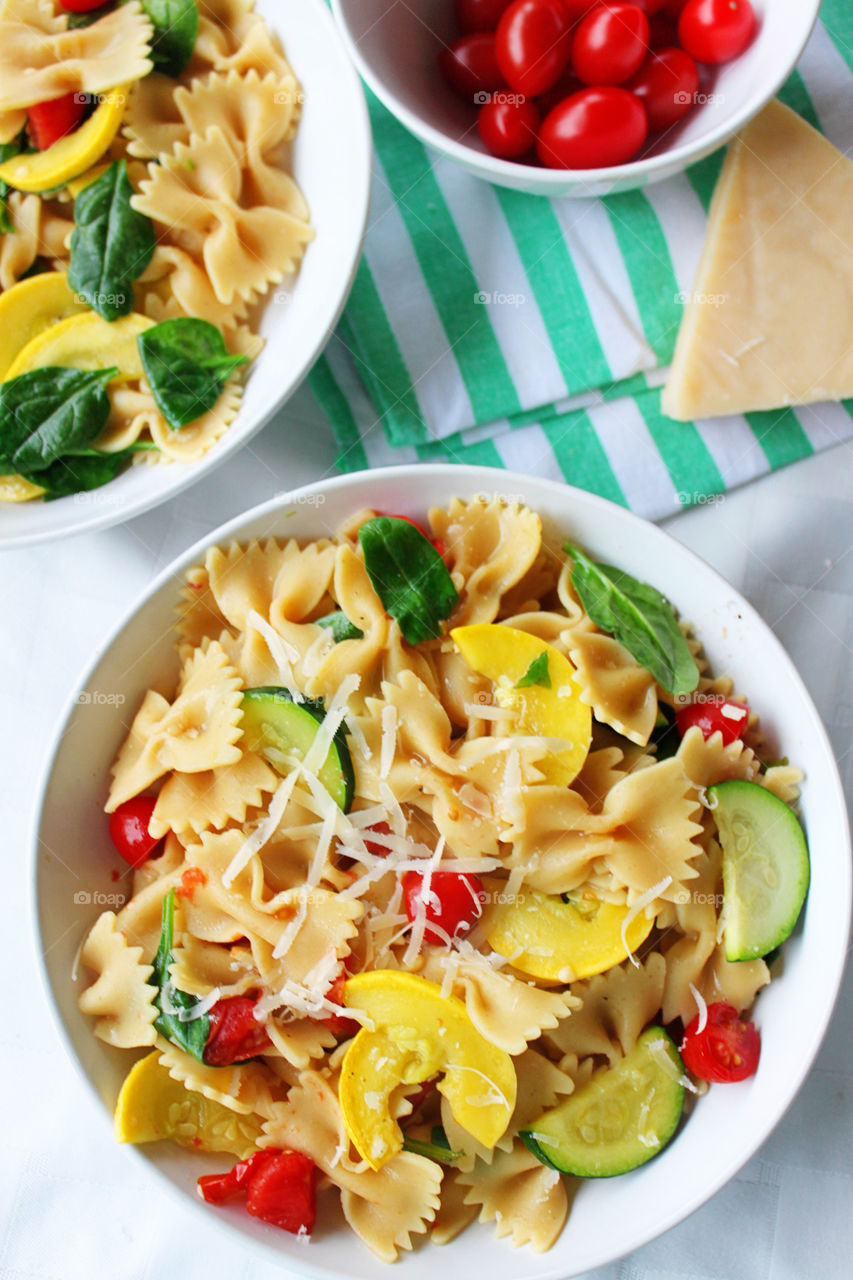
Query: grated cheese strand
[
  {"x": 388, "y": 746},
  {"x": 634, "y": 910},
  {"x": 701, "y": 1006},
  {"x": 331, "y": 722},
  {"x": 263, "y": 831}
]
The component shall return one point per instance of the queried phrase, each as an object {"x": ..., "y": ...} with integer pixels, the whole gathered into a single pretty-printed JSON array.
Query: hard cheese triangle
[{"x": 770, "y": 319}]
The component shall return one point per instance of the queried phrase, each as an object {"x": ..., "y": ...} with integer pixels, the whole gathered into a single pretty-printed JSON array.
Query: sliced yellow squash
[
  {"x": 505, "y": 655},
  {"x": 86, "y": 342},
  {"x": 72, "y": 155},
  {"x": 563, "y": 941},
  {"x": 418, "y": 1033},
  {"x": 16, "y": 489},
  {"x": 30, "y": 307},
  {"x": 151, "y": 1106}
]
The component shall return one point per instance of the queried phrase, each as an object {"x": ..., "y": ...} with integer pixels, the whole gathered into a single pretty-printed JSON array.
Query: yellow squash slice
[
  {"x": 505, "y": 655},
  {"x": 563, "y": 941},
  {"x": 16, "y": 489},
  {"x": 29, "y": 308},
  {"x": 151, "y": 1106},
  {"x": 417, "y": 1034},
  {"x": 72, "y": 155},
  {"x": 86, "y": 342}
]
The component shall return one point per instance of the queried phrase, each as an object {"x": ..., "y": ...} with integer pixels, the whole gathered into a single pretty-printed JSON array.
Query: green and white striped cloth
[{"x": 487, "y": 326}]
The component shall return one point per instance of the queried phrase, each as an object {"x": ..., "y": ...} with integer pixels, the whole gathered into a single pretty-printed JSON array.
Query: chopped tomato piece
[
  {"x": 454, "y": 902},
  {"x": 129, "y": 829},
  {"x": 49, "y": 121},
  {"x": 714, "y": 714},
  {"x": 191, "y": 879},
  {"x": 383, "y": 829},
  {"x": 338, "y": 1023},
  {"x": 235, "y": 1033},
  {"x": 727, "y": 1048},
  {"x": 283, "y": 1191},
  {"x": 216, "y": 1188}
]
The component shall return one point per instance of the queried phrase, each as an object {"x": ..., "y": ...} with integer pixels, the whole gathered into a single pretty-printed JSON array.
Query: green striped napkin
[{"x": 489, "y": 326}]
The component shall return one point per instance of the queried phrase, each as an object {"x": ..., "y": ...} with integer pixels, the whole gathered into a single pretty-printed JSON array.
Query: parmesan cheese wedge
[{"x": 770, "y": 319}]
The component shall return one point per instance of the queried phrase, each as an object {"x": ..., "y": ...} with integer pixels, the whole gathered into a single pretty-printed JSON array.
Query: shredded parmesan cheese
[
  {"x": 389, "y": 739},
  {"x": 263, "y": 831},
  {"x": 701, "y": 1006},
  {"x": 644, "y": 900}
]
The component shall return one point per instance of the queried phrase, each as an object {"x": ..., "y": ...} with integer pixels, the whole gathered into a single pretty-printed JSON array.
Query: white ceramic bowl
[
  {"x": 331, "y": 162},
  {"x": 610, "y": 1217},
  {"x": 395, "y": 47}
]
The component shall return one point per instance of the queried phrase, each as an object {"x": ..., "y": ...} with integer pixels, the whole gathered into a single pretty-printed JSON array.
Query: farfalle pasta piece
[
  {"x": 191, "y": 293},
  {"x": 245, "y": 247},
  {"x": 153, "y": 122},
  {"x": 783, "y": 780},
  {"x": 231, "y": 36},
  {"x": 200, "y": 967},
  {"x": 242, "y": 578},
  {"x": 201, "y": 728},
  {"x": 615, "y": 1007},
  {"x": 385, "y": 1207},
  {"x": 137, "y": 765},
  {"x": 249, "y": 1088},
  {"x": 621, "y": 692},
  {"x": 194, "y": 440},
  {"x": 526, "y": 1200},
  {"x": 301, "y": 1042},
  {"x": 706, "y": 761},
  {"x": 198, "y": 616},
  {"x": 19, "y": 248},
  {"x": 121, "y": 997},
  {"x": 453, "y": 1215},
  {"x": 38, "y": 62},
  {"x": 490, "y": 546},
  {"x": 317, "y": 923}
]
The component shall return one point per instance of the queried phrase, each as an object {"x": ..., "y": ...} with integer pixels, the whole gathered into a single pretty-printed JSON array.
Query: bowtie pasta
[
  {"x": 147, "y": 208},
  {"x": 424, "y": 858}
]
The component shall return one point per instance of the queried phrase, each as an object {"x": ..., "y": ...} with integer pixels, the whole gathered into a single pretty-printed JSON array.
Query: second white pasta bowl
[{"x": 609, "y": 1217}]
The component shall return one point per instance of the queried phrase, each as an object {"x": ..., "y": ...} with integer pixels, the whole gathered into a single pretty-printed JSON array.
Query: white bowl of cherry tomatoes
[{"x": 575, "y": 97}]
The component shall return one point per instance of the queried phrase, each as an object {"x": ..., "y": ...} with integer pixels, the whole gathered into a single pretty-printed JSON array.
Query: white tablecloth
[{"x": 72, "y": 1205}]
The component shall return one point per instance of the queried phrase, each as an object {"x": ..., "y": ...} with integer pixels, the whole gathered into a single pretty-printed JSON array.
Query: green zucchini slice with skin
[
  {"x": 274, "y": 725},
  {"x": 765, "y": 867},
  {"x": 620, "y": 1119}
]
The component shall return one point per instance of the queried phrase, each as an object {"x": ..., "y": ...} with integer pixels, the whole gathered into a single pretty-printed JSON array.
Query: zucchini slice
[
  {"x": 622, "y": 1118},
  {"x": 275, "y": 726},
  {"x": 765, "y": 868}
]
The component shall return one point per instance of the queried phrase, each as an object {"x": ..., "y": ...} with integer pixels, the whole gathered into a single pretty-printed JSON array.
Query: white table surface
[{"x": 72, "y": 1205}]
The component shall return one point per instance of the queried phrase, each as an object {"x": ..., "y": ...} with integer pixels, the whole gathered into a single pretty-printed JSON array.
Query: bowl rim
[
  {"x": 185, "y": 474},
  {"x": 650, "y": 168},
  {"x": 472, "y": 479}
]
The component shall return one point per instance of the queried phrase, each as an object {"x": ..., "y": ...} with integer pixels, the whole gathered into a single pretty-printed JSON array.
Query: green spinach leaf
[
  {"x": 175, "y": 25},
  {"x": 111, "y": 244},
  {"x": 536, "y": 673},
  {"x": 408, "y": 575},
  {"x": 49, "y": 413},
  {"x": 187, "y": 1032},
  {"x": 639, "y": 617},
  {"x": 80, "y": 472},
  {"x": 438, "y": 1148},
  {"x": 186, "y": 364},
  {"x": 340, "y": 626},
  {"x": 7, "y": 151}
]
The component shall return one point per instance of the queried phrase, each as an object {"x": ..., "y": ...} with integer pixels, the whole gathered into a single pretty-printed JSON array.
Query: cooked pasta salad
[
  {"x": 147, "y": 208},
  {"x": 453, "y": 878}
]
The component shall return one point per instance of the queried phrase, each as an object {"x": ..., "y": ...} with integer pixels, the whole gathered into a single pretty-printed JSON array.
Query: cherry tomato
[
  {"x": 479, "y": 15},
  {"x": 49, "y": 121},
  {"x": 235, "y": 1033},
  {"x": 577, "y": 8},
  {"x": 470, "y": 68},
  {"x": 129, "y": 829},
  {"x": 508, "y": 126},
  {"x": 649, "y": 7},
  {"x": 338, "y": 1023},
  {"x": 592, "y": 129},
  {"x": 284, "y": 1192},
  {"x": 610, "y": 44},
  {"x": 716, "y": 30},
  {"x": 454, "y": 903},
  {"x": 533, "y": 45},
  {"x": 217, "y": 1188},
  {"x": 82, "y": 6},
  {"x": 727, "y": 1049},
  {"x": 666, "y": 85},
  {"x": 714, "y": 714}
]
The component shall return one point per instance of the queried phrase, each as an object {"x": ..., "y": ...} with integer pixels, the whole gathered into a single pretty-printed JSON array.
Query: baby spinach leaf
[
  {"x": 434, "y": 1150},
  {"x": 49, "y": 413},
  {"x": 186, "y": 364},
  {"x": 7, "y": 150},
  {"x": 408, "y": 575},
  {"x": 188, "y": 1033},
  {"x": 80, "y": 472},
  {"x": 111, "y": 244},
  {"x": 175, "y": 24},
  {"x": 536, "y": 673},
  {"x": 639, "y": 617},
  {"x": 340, "y": 626}
]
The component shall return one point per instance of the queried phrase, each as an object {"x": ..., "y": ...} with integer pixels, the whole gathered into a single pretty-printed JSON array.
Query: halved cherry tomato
[
  {"x": 129, "y": 829},
  {"x": 716, "y": 30},
  {"x": 479, "y": 15},
  {"x": 235, "y": 1033},
  {"x": 338, "y": 1024},
  {"x": 51, "y": 120},
  {"x": 610, "y": 44},
  {"x": 470, "y": 67},
  {"x": 533, "y": 45},
  {"x": 280, "y": 1187},
  {"x": 508, "y": 126},
  {"x": 714, "y": 714},
  {"x": 454, "y": 903},
  {"x": 727, "y": 1049},
  {"x": 666, "y": 85},
  {"x": 592, "y": 129}
]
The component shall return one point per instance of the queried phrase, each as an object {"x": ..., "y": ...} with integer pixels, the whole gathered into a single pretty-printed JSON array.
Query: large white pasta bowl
[
  {"x": 331, "y": 162},
  {"x": 610, "y": 1217}
]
